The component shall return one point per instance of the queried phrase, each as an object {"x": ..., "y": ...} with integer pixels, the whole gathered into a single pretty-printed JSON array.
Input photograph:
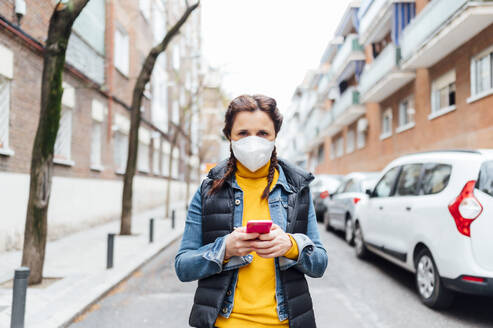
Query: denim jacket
[{"x": 196, "y": 261}]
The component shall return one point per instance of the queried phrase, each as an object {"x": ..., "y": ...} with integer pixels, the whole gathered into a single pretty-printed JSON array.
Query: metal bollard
[
  {"x": 19, "y": 297},
  {"x": 151, "y": 230},
  {"x": 111, "y": 247},
  {"x": 172, "y": 219}
]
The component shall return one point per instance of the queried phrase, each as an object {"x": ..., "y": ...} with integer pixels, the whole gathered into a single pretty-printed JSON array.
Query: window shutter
[{"x": 4, "y": 112}]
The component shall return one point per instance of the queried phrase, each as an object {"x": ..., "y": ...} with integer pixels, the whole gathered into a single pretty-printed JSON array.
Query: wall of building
[
  {"x": 469, "y": 126},
  {"x": 81, "y": 195}
]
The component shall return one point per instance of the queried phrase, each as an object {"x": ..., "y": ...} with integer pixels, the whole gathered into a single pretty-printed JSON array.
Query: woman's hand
[
  {"x": 273, "y": 244},
  {"x": 239, "y": 242}
]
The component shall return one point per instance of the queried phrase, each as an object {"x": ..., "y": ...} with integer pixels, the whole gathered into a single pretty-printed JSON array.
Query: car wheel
[
  {"x": 327, "y": 225},
  {"x": 430, "y": 287},
  {"x": 359, "y": 243},
  {"x": 349, "y": 231}
]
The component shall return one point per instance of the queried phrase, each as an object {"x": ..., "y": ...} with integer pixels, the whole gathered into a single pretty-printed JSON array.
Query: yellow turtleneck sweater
[{"x": 254, "y": 299}]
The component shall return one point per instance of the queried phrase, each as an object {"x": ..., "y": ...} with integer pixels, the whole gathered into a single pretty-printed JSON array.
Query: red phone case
[{"x": 260, "y": 226}]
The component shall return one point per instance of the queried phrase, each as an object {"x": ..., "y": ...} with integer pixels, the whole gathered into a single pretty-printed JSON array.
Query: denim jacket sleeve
[
  {"x": 196, "y": 261},
  {"x": 312, "y": 257}
]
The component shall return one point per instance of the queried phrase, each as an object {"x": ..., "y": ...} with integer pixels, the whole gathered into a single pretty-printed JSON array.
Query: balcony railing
[
  {"x": 372, "y": 17},
  {"x": 387, "y": 61},
  {"x": 350, "y": 50},
  {"x": 427, "y": 22},
  {"x": 349, "y": 97}
]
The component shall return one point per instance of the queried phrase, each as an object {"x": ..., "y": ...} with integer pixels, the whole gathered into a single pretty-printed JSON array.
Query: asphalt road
[{"x": 352, "y": 293}]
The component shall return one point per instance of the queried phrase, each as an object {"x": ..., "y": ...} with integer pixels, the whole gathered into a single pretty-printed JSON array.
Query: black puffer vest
[{"x": 217, "y": 221}]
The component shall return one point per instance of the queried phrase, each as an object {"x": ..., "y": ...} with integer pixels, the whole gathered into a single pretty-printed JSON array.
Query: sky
[{"x": 266, "y": 46}]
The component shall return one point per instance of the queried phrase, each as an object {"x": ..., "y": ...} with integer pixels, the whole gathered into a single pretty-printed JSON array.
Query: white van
[{"x": 432, "y": 214}]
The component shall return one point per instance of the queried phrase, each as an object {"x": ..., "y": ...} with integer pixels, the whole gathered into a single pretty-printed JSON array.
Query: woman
[{"x": 251, "y": 279}]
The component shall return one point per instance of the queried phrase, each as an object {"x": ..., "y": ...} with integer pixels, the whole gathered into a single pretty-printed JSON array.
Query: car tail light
[
  {"x": 324, "y": 194},
  {"x": 465, "y": 209},
  {"x": 473, "y": 279},
  {"x": 356, "y": 200}
]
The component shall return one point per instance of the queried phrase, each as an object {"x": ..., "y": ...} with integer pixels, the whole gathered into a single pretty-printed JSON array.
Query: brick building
[
  {"x": 405, "y": 76},
  {"x": 108, "y": 45}
]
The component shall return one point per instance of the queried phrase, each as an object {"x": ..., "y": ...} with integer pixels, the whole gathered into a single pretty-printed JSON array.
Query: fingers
[
  {"x": 274, "y": 227},
  {"x": 259, "y": 245},
  {"x": 248, "y": 236},
  {"x": 267, "y": 236}
]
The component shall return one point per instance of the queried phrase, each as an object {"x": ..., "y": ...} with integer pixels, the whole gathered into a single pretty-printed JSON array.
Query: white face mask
[{"x": 252, "y": 151}]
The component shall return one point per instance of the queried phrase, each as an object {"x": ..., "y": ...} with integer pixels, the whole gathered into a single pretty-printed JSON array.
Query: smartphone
[{"x": 260, "y": 226}]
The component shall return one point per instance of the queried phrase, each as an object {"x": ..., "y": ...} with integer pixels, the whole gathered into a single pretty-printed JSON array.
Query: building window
[
  {"x": 97, "y": 135},
  {"x": 386, "y": 124},
  {"x": 165, "y": 160},
  {"x": 443, "y": 94},
  {"x": 350, "y": 138},
  {"x": 4, "y": 115},
  {"x": 6, "y": 76},
  {"x": 64, "y": 137},
  {"x": 145, "y": 8},
  {"x": 63, "y": 142},
  {"x": 158, "y": 21},
  {"x": 337, "y": 147},
  {"x": 143, "y": 152},
  {"x": 361, "y": 128},
  {"x": 120, "y": 142},
  {"x": 482, "y": 73},
  {"x": 320, "y": 154},
  {"x": 406, "y": 114},
  {"x": 176, "y": 112},
  {"x": 121, "y": 50},
  {"x": 155, "y": 162},
  {"x": 176, "y": 57},
  {"x": 175, "y": 169},
  {"x": 120, "y": 151}
]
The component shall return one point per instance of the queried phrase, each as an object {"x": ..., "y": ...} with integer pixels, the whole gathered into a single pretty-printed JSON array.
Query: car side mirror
[{"x": 369, "y": 192}]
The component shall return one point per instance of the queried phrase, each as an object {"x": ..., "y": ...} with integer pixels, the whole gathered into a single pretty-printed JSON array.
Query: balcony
[
  {"x": 383, "y": 77},
  {"x": 440, "y": 28},
  {"x": 344, "y": 112},
  {"x": 376, "y": 20},
  {"x": 350, "y": 51}
]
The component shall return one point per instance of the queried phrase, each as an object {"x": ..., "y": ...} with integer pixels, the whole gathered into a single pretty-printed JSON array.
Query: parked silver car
[
  {"x": 341, "y": 205},
  {"x": 323, "y": 186}
]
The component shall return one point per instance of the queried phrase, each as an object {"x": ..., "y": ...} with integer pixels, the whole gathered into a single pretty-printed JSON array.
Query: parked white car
[
  {"x": 432, "y": 214},
  {"x": 342, "y": 203}
]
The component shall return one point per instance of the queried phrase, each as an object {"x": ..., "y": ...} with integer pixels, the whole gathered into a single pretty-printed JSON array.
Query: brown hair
[{"x": 251, "y": 104}]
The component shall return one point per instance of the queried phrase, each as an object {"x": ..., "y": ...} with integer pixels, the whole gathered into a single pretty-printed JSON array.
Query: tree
[
  {"x": 135, "y": 117},
  {"x": 36, "y": 228}
]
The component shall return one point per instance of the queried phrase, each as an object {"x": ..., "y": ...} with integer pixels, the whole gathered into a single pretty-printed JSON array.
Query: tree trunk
[
  {"x": 135, "y": 118},
  {"x": 36, "y": 228}
]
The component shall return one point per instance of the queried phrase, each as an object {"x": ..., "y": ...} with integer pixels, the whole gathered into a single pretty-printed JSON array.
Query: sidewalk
[{"x": 79, "y": 261}]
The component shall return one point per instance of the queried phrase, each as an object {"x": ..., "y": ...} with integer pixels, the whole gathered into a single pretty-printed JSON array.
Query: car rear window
[
  {"x": 485, "y": 180},
  {"x": 435, "y": 178}
]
